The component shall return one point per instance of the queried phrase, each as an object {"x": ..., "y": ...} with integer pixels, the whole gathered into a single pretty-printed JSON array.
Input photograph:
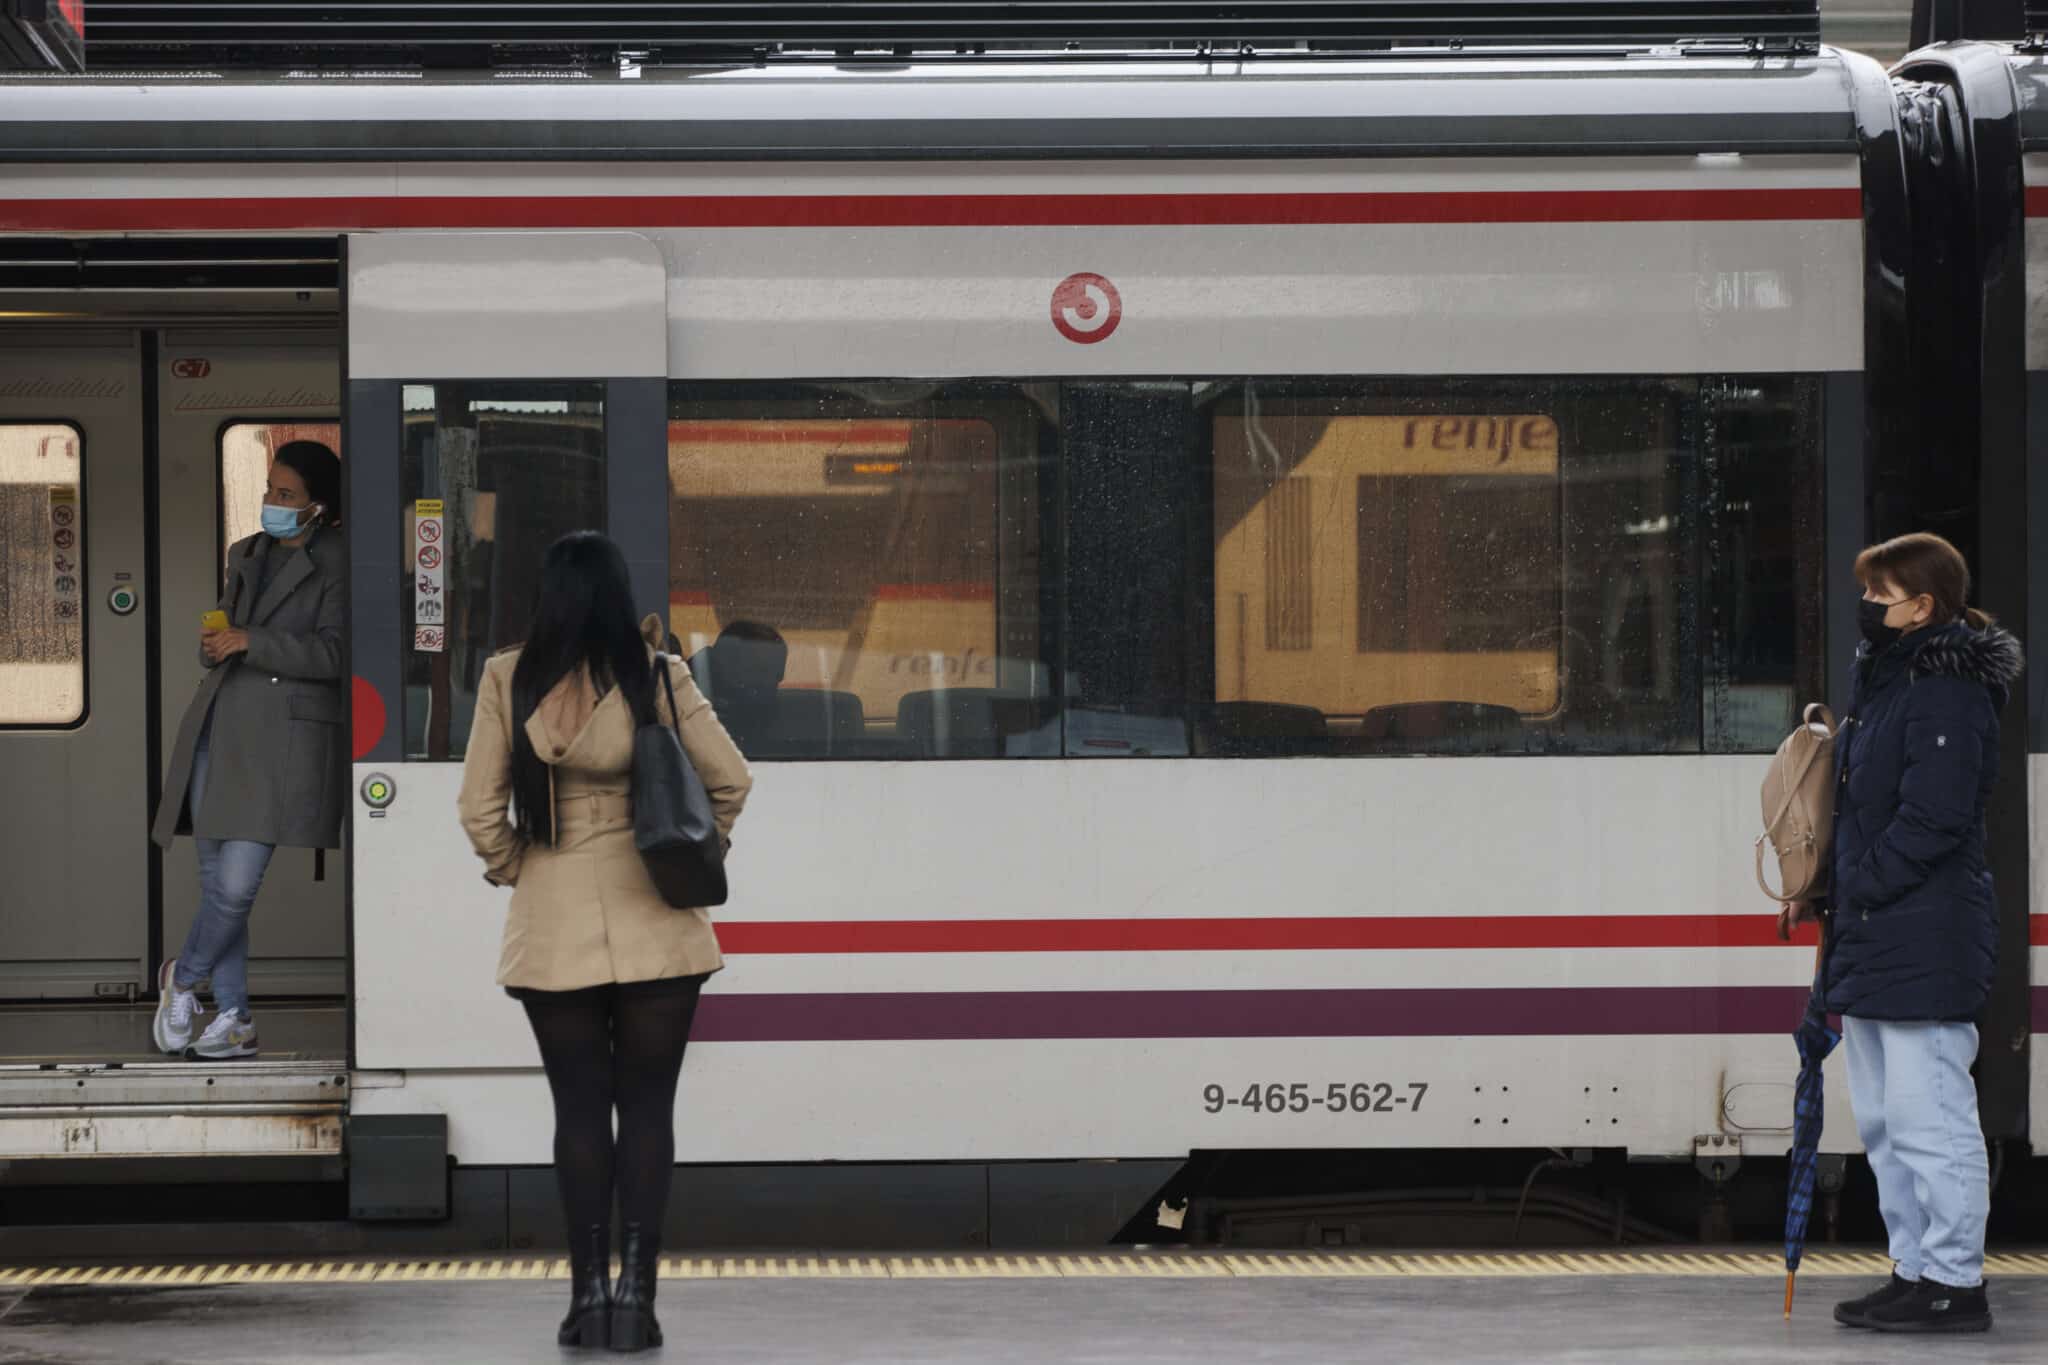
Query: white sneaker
[
  {"x": 229, "y": 1035},
  {"x": 175, "y": 1011}
]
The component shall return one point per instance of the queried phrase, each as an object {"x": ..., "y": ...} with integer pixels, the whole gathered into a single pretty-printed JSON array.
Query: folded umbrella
[{"x": 1815, "y": 1040}]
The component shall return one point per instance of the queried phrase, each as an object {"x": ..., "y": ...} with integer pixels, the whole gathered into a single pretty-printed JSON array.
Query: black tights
[{"x": 614, "y": 1046}]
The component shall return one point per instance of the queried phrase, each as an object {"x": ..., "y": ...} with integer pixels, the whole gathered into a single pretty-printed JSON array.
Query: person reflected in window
[
  {"x": 742, "y": 672},
  {"x": 608, "y": 971},
  {"x": 258, "y": 762}
]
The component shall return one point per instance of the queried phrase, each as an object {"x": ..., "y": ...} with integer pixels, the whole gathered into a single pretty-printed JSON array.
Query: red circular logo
[{"x": 1086, "y": 308}]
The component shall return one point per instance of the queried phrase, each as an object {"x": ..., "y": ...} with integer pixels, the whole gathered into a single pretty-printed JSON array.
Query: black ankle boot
[
  {"x": 590, "y": 1288},
  {"x": 633, "y": 1324}
]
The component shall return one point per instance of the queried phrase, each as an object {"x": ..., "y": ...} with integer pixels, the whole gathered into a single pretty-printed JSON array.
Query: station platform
[{"x": 1122, "y": 1306}]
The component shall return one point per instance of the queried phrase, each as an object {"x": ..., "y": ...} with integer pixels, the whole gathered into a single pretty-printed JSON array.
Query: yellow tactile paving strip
[{"x": 1104, "y": 1265}]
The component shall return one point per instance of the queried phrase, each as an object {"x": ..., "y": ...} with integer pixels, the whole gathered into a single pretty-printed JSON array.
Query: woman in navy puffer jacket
[{"x": 1913, "y": 923}]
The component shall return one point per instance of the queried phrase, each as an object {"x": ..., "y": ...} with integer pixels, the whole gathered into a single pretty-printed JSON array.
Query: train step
[{"x": 172, "y": 1109}]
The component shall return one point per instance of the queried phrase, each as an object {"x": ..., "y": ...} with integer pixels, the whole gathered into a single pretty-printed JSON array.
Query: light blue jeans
[
  {"x": 230, "y": 874},
  {"x": 1916, "y": 1111}
]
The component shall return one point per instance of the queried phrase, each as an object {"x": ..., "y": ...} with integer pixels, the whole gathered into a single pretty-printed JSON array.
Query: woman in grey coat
[{"x": 258, "y": 762}]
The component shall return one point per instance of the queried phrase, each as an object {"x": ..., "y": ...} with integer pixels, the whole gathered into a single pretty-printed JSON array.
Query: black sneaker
[
  {"x": 1933, "y": 1307},
  {"x": 1853, "y": 1312}
]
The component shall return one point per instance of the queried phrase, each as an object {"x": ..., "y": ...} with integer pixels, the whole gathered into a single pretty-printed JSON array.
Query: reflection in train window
[
  {"x": 854, "y": 569},
  {"x": 42, "y": 576},
  {"x": 513, "y": 467},
  {"x": 1502, "y": 568},
  {"x": 246, "y": 450}
]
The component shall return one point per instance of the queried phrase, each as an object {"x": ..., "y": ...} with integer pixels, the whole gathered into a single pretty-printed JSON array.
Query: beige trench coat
[{"x": 584, "y": 912}]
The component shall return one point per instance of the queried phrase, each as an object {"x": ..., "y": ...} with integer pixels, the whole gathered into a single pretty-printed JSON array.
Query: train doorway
[{"x": 133, "y": 453}]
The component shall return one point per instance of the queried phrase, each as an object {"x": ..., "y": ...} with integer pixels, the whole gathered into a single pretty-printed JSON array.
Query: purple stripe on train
[{"x": 940, "y": 1015}]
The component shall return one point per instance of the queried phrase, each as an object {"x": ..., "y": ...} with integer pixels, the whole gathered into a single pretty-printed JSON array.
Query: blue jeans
[
  {"x": 1916, "y": 1111},
  {"x": 230, "y": 874}
]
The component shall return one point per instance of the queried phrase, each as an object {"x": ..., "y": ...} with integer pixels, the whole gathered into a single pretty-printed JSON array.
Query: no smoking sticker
[{"x": 429, "y": 613}]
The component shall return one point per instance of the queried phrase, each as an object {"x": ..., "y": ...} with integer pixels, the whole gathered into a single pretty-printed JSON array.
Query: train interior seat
[
  {"x": 1252, "y": 729},
  {"x": 968, "y": 722},
  {"x": 1443, "y": 727}
]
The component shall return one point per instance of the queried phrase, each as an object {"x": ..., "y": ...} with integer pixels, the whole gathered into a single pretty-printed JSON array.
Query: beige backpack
[{"x": 1799, "y": 809}]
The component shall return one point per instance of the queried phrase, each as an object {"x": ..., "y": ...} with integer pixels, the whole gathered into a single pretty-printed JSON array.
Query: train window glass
[
  {"x": 854, "y": 568},
  {"x": 246, "y": 450},
  {"x": 1128, "y": 505},
  {"x": 513, "y": 466},
  {"x": 42, "y": 578},
  {"x": 1463, "y": 568},
  {"x": 1763, "y": 548}
]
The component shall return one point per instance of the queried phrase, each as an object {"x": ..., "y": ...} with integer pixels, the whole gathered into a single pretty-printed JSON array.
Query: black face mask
[{"x": 1870, "y": 620}]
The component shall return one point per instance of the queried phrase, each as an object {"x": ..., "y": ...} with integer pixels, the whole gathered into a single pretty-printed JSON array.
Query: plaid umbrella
[{"x": 1815, "y": 1041}]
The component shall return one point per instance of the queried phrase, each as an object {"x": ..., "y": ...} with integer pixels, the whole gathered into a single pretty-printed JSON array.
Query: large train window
[
  {"x": 246, "y": 451},
  {"x": 1602, "y": 566},
  {"x": 507, "y": 467},
  {"x": 42, "y": 576},
  {"x": 854, "y": 569}
]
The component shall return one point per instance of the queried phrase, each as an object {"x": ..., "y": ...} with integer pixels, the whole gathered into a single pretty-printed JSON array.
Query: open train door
[{"x": 502, "y": 389}]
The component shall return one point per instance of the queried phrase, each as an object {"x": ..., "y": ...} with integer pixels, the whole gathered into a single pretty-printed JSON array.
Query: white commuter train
[{"x": 1434, "y": 477}]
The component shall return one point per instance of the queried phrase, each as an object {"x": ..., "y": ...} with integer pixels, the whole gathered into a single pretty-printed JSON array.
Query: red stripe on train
[
  {"x": 1252, "y": 935},
  {"x": 344, "y": 212}
]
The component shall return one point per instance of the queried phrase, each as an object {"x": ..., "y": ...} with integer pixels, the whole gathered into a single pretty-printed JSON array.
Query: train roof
[{"x": 1444, "y": 104}]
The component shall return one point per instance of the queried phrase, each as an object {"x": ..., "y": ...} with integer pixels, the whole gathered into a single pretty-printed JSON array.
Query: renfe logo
[
  {"x": 191, "y": 369},
  {"x": 1086, "y": 308}
]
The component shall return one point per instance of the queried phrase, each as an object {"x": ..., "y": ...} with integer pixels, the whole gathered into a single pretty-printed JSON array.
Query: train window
[
  {"x": 42, "y": 578},
  {"x": 1511, "y": 567},
  {"x": 246, "y": 450},
  {"x": 1463, "y": 568},
  {"x": 854, "y": 567},
  {"x": 512, "y": 467},
  {"x": 1763, "y": 548}
]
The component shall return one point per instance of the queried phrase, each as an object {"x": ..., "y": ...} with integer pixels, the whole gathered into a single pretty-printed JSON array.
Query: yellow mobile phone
[{"x": 214, "y": 620}]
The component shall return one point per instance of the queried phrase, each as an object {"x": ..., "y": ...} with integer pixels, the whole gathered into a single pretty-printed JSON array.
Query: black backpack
[{"x": 673, "y": 826}]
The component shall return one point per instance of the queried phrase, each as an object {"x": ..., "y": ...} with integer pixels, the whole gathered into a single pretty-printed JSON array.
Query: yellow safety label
[{"x": 1108, "y": 1264}]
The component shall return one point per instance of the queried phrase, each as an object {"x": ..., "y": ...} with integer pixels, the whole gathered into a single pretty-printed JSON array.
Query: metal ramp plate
[{"x": 172, "y": 1109}]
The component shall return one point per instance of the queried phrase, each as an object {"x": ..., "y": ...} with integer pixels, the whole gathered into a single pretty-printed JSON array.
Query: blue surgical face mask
[{"x": 282, "y": 522}]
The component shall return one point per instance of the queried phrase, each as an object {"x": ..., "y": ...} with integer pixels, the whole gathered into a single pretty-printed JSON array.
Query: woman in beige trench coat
[{"x": 608, "y": 972}]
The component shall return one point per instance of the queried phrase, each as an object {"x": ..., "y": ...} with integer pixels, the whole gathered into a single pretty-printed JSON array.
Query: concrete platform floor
[{"x": 1615, "y": 1320}]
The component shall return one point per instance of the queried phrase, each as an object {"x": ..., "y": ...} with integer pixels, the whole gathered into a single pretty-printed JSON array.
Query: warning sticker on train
[
  {"x": 429, "y": 607},
  {"x": 1086, "y": 308}
]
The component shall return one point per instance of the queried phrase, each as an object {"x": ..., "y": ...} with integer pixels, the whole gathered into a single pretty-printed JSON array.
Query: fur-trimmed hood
[{"x": 1991, "y": 656}]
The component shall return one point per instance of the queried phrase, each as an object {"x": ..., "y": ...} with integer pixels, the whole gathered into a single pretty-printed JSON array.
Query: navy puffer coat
[{"x": 1914, "y": 929}]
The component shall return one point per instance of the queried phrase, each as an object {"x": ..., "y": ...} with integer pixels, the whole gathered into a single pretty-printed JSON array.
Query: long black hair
[{"x": 582, "y": 618}]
